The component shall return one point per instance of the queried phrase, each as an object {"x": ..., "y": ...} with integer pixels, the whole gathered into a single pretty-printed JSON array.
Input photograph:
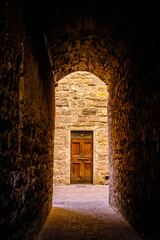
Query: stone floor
[{"x": 82, "y": 212}]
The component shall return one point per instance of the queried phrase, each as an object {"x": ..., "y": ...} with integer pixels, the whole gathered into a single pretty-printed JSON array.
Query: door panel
[
  {"x": 76, "y": 148},
  {"x": 76, "y": 169},
  {"x": 87, "y": 148},
  {"x": 81, "y": 158},
  {"x": 87, "y": 169}
]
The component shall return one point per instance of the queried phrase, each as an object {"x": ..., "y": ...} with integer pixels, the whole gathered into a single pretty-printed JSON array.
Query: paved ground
[{"x": 82, "y": 212}]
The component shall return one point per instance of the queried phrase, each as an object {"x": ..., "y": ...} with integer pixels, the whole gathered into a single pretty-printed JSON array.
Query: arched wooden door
[{"x": 81, "y": 157}]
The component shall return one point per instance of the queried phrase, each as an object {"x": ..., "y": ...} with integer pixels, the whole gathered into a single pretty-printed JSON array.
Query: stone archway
[
  {"x": 119, "y": 44},
  {"x": 81, "y": 105}
]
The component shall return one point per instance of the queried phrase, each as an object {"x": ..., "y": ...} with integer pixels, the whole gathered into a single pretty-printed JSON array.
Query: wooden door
[{"x": 81, "y": 159}]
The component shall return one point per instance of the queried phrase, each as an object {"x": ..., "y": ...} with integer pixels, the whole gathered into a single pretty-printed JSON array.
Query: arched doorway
[{"x": 81, "y": 130}]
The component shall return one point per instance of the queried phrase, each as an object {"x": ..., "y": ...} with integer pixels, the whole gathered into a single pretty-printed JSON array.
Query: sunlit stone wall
[{"x": 81, "y": 104}]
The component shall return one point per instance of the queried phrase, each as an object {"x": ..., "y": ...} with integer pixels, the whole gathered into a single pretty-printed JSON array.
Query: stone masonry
[
  {"x": 41, "y": 43},
  {"x": 81, "y": 104},
  {"x": 26, "y": 145}
]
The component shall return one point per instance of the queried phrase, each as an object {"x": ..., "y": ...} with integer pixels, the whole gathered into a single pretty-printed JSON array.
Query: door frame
[{"x": 93, "y": 147}]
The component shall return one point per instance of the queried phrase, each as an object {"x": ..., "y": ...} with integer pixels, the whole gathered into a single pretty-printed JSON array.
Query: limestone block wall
[{"x": 81, "y": 104}]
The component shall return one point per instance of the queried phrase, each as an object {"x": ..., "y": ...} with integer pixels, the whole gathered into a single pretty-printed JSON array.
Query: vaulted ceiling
[{"x": 92, "y": 36}]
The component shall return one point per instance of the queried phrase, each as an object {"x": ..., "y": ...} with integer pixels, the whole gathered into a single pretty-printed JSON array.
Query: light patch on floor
[{"x": 83, "y": 212}]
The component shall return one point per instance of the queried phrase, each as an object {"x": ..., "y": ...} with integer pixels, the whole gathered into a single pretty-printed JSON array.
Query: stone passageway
[
  {"x": 41, "y": 44},
  {"x": 81, "y": 212}
]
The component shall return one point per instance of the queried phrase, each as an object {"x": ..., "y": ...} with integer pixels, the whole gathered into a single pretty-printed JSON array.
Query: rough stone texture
[
  {"x": 26, "y": 148},
  {"x": 133, "y": 136},
  {"x": 81, "y": 104},
  {"x": 82, "y": 40},
  {"x": 118, "y": 43}
]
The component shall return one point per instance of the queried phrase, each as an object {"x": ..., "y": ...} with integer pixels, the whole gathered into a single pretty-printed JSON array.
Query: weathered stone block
[
  {"x": 89, "y": 111},
  {"x": 62, "y": 103},
  {"x": 82, "y": 118},
  {"x": 81, "y": 103},
  {"x": 100, "y": 103}
]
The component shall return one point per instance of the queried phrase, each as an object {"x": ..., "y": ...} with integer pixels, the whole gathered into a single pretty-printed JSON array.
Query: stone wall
[
  {"x": 27, "y": 111},
  {"x": 81, "y": 104},
  {"x": 134, "y": 135}
]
